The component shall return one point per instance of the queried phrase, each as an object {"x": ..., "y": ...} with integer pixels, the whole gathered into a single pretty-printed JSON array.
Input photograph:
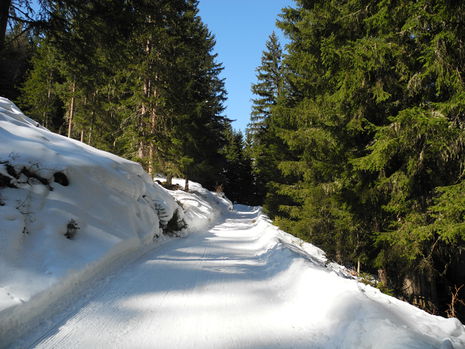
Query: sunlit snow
[{"x": 232, "y": 281}]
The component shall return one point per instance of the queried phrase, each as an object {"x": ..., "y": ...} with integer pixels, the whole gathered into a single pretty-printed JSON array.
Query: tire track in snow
[
  {"x": 235, "y": 286},
  {"x": 203, "y": 267}
]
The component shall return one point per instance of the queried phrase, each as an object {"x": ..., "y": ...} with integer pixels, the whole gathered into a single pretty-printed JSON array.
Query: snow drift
[
  {"x": 336, "y": 310},
  {"x": 67, "y": 211}
]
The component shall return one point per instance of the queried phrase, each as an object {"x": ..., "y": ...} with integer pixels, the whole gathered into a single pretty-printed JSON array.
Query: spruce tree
[
  {"x": 268, "y": 87},
  {"x": 417, "y": 157},
  {"x": 199, "y": 96},
  {"x": 372, "y": 119},
  {"x": 264, "y": 145},
  {"x": 40, "y": 93}
]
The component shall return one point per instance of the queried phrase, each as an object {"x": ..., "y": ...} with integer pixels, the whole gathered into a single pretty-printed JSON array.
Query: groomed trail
[
  {"x": 230, "y": 287},
  {"x": 218, "y": 289}
]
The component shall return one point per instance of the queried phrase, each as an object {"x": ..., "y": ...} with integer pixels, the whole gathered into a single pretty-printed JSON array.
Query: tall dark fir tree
[
  {"x": 268, "y": 88},
  {"x": 373, "y": 116},
  {"x": 264, "y": 145}
]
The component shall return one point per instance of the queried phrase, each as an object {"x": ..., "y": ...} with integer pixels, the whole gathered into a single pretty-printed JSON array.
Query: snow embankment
[
  {"x": 68, "y": 213},
  {"x": 201, "y": 207},
  {"x": 334, "y": 309}
]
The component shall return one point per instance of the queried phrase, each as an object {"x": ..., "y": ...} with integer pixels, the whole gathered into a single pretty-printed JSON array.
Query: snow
[
  {"x": 201, "y": 208},
  {"x": 233, "y": 281},
  {"x": 111, "y": 199},
  {"x": 242, "y": 284}
]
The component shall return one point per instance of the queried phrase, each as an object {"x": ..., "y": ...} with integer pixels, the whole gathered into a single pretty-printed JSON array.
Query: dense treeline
[
  {"x": 137, "y": 78},
  {"x": 358, "y": 133}
]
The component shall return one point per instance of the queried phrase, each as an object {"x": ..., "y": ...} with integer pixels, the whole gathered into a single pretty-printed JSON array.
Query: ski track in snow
[
  {"x": 228, "y": 288},
  {"x": 220, "y": 289}
]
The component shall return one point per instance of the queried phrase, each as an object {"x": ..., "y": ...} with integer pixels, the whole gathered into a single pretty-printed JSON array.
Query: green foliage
[
  {"x": 264, "y": 146},
  {"x": 368, "y": 279},
  {"x": 138, "y": 79},
  {"x": 238, "y": 182},
  {"x": 371, "y": 123},
  {"x": 448, "y": 213},
  {"x": 41, "y": 92}
]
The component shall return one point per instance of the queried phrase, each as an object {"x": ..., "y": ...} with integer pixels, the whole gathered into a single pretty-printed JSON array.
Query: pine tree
[
  {"x": 199, "y": 95},
  {"x": 140, "y": 81},
  {"x": 40, "y": 97},
  {"x": 267, "y": 89},
  {"x": 418, "y": 155},
  {"x": 178, "y": 94},
  {"x": 372, "y": 118},
  {"x": 264, "y": 145}
]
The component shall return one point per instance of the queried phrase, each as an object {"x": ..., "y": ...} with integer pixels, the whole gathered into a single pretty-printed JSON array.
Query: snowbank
[
  {"x": 339, "y": 310},
  {"x": 201, "y": 207},
  {"x": 67, "y": 212}
]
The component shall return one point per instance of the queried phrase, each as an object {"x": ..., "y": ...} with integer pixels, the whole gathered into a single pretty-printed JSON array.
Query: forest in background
[
  {"x": 136, "y": 78},
  {"x": 357, "y": 134},
  {"x": 356, "y": 138}
]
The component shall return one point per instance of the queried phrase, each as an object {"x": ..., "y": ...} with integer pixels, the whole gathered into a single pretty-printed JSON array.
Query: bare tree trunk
[
  {"x": 82, "y": 136},
  {"x": 153, "y": 118},
  {"x": 151, "y": 169},
  {"x": 89, "y": 134},
  {"x": 47, "y": 104},
  {"x": 141, "y": 126},
  {"x": 71, "y": 109},
  {"x": 142, "y": 147},
  {"x": 169, "y": 179},
  {"x": 153, "y": 125},
  {"x": 186, "y": 185},
  {"x": 4, "y": 12}
]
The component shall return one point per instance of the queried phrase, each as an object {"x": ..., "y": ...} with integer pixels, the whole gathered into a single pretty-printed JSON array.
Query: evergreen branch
[{"x": 17, "y": 36}]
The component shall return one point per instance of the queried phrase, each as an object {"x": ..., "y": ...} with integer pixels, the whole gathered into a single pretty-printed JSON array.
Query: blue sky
[{"x": 241, "y": 28}]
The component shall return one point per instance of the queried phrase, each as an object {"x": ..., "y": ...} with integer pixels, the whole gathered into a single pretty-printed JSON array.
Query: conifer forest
[{"x": 356, "y": 140}]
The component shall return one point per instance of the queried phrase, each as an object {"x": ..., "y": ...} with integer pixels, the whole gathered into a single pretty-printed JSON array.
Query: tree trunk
[
  {"x": 4, "y": 12},
  {"x": 382, "y": 276},
  {"x": 71, "y": 109},
  {"x": 89, "y": 134},
  {"x": 141, "y": 133},
  {"x": 186, "y": 185},
  {"x": 47, "y": 104},
  {"x": 151, "y": 169},
  {"x": 169, "y": 179},
  {"x": 142, "y": 146},
  {"x": 420, "y": 289},
  {"x": 153, "y": 123}
]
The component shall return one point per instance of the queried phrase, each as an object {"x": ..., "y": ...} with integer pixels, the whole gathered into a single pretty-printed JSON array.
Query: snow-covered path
[
  {"x": 218, "y": 289},
  {"x": 231, "y": 287}
]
